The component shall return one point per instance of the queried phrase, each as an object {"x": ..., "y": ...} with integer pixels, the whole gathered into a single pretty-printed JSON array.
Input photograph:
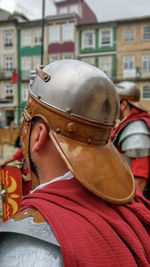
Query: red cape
[{"x": 90, "y": 231}]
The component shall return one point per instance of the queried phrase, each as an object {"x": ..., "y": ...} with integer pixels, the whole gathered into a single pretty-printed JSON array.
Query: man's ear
[
  {"x": 124, "y": 104},
  {"x": 39, "y": 136}
]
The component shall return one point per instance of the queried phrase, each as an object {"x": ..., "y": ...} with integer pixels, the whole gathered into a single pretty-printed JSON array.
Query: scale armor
[
  {"x": 25, "y": 243},
  {"x": 134, "y": 140}
]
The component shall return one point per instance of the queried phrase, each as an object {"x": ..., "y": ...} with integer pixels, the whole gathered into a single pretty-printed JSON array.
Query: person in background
[
  {"x": 12, "y": 125},
  {"x": 1, "y": 124},
  {"x": 86, "y": 210},
  {"x": 132, "y": 135},
  {"x": 26, "y": 177}
]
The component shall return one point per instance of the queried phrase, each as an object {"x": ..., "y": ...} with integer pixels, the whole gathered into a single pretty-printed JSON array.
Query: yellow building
[{"x": 133, "y": 54}]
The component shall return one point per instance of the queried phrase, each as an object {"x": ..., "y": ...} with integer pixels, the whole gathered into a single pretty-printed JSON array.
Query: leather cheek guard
[
  {"x": 25, "y": 132},
  {"x": 25, "y": 129}
]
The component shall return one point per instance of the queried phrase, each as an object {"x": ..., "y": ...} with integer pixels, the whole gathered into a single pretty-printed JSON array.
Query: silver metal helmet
[
  {"x": 78, "y": 88},
  {"x": 128, "y": 90},
  {"x": 79, "y": 105}
]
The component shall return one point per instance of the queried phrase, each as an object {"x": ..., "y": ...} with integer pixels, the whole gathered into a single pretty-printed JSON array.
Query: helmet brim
[
  {"x": 140, "y": 106},
  {"x": 99, "y": 168}
]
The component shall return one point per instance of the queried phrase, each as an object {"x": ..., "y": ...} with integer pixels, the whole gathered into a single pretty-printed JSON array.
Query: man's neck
[
  {"x": 51, "y": 167},
  {"x": 56, "y": 172}
]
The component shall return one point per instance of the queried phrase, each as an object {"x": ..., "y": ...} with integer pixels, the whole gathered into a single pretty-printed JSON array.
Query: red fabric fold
[
  {"x": 90, "y": 231},
  {"x": 140, "y": 167}
]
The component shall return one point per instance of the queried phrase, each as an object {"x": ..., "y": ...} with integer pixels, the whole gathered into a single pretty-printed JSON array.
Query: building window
[
  {"x": 38, "y": 36},
  {"x": 88, "y": 39},
  {"x": 25, "y": 91},
  {"x": 105, "y": 37},
  {"x": 128, "y": 35},
  {"x": 63, "y": 10},
  {"x": 146, "y": 64},
  {"x": 8, "y": 63},
  {"x": 8, "y": 39},
  {"x": 128, "y": 67},
  {"x": 9, "y": 93},
  {"x": 105, "y": 65},
  {"x": 53, "y": 58},
  {"x": 26, "y": 37},
  {"x": 67, "y": 56},
  {"x": 54, "y": 33},
  {"x": 8, "y": 90},
  {"x": 146, "y": 92},
  {"x": 146, "y": 33},
  {"x": 67, "y": 32},
  {"x": 89, "y": 60},
  {"x": 36, "y": 62},
  {"x": 74, "y": 8},
  {"x": 25, "y": 67},
  {"x": 26, "y": 63}
]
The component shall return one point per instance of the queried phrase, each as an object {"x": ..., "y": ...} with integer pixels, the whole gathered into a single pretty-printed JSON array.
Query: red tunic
[
  {"x": 140, "y": 166},
  {"x": 90, "y": 231},
  {"x": 26, "y": 185}
]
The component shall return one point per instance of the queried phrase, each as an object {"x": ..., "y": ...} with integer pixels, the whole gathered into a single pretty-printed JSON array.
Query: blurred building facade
[
  {"x": 61, "y": 28},
  {"x": 121, "y": 48},
  {"x": 133, "y": 53},
  {"x": 29, "y": 57},
  {"x": 45, "y": 41},
  {"x": 9, "y": 90},
  {"x": 8, "y": 68},
  {"x": 97, "y": 46}
]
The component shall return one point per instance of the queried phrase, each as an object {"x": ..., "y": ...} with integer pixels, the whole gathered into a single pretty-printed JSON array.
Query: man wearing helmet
[
  {"x": 85, "y": 211},
  {"x": 132, "y": 136}
]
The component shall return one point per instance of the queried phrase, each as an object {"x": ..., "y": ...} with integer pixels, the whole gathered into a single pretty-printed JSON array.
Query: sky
[{"x": 105, "y": 10}]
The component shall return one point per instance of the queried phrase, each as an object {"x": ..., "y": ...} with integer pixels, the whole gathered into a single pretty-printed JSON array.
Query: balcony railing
[
  {"x": 25, "y": 75},
  {"x": 134, "y": 74},
  {"x": 7, "y": 100},
  {"x": 6, "y": 73},
  {"x": 129, "y": 73},
  {"x": 8, "y": 44}
]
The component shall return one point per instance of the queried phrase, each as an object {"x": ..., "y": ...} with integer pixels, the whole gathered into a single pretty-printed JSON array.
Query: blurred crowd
[{"x": 12, "y": 125}]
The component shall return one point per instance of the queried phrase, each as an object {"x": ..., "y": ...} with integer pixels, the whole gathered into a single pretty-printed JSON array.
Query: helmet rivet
[
  {"x": 89, "y": 141},
  {"x": 71, "y": 127},
  {"x": 39, "y": 97},
  {"x": 57, "y": 130},
  {"x": 46, "y": 78},
  {"x": 68, "y": 110}
]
